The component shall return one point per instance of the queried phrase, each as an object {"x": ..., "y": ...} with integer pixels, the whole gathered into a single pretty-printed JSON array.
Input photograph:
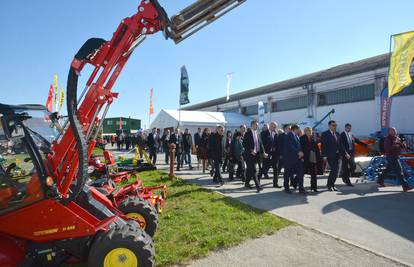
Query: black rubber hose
[
  {"x": 81, "y": 143},
  {"x": 84, "y": 53}
]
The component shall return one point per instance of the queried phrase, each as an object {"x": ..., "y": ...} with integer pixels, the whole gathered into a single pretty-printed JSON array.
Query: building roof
[{"x": 328, "y": 74}]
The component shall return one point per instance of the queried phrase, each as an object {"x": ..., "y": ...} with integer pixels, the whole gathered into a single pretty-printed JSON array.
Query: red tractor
[{"x": 48, "y": 214}]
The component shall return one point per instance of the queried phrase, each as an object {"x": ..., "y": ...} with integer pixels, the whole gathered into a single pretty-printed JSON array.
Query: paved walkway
[
  {"x": 294, "y": 246},
  {"x": 381, "y": 221}
]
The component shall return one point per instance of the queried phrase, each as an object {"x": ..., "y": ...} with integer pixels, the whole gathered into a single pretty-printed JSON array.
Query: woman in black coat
[
  {"x": 312, "y": 156},
  {"x": 203, "y": 147},
  {"x": 227, "y": 146}
]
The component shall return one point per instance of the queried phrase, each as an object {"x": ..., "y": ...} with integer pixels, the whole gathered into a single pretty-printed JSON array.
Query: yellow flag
[
  {"x": 55, "y": 83},
  {"x": 402, "y": 56},
  {"x": 62, "y": 98}
]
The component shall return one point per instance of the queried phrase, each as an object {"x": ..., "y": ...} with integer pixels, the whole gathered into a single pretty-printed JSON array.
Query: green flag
[{"x": 184, "y": 87}]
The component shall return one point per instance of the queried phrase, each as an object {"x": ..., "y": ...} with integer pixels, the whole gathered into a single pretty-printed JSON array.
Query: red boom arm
[{"x": 108, "y": 60}]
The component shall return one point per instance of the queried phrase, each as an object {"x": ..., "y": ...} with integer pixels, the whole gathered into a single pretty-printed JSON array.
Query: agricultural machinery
[
  {"x": 48, "y": 214},
  {"x": 134, "y": 200},
  {"x": 377, "y": 170}
]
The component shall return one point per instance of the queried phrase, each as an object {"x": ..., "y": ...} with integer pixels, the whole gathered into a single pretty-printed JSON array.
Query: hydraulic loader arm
[
  {"x": 70, "y": 153},
  {"x": 198, "y": 15}
]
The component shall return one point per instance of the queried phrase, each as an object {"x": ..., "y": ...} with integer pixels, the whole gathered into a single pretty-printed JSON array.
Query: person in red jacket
[{"x": 392, "y": 148}]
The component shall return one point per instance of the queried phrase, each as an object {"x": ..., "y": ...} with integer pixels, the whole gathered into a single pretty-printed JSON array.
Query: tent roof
[{"x": 196, "y": 118}]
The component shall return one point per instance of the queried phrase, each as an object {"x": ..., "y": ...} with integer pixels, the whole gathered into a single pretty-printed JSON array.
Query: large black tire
[
  {"x": 126, "y": 245},
  {"x": 137, "y": 206}
]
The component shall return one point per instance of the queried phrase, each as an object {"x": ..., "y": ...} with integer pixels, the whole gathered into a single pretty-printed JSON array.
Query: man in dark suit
[
  {"x": 177, "y": 139},
  {"x": 165, "y": 139},
  {"x": 281, "y": 144},
  {"x": 187, "y": 147},
  {"x": 267, "y": 146},
  {"x": 241, "y": 170},
  {"x": 153, "y": 142},
  {"x": 272, "y": 147},
  {"x": 217, "y": 150},
  {"x": 332, "y": 150},
  {"x": 197, "y": 142},
  {"x": 293, "y": 160},
  {"x": 348, "y": 161},
  {"x": 253, "y": 149}
]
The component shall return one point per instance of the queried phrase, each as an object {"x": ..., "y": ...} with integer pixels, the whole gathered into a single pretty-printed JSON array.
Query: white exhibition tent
[{"x": 168, "y": 118}]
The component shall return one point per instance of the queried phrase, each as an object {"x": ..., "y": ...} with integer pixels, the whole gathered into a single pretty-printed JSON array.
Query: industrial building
[
  {"x": 129, "y": 125},
  {"x": 352, "y": 89}
]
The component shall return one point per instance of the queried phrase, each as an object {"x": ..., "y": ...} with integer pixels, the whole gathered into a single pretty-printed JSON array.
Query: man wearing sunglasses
[{"x": 332, "y": 150}]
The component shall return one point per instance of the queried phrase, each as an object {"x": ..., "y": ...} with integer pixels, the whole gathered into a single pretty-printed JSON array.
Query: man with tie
[
  {"x": 332, "y": 150},
  {"x": 293, "y": 159},
  {"x": 253, "y": 149},
  {"x": 267, "y": 145},
  {"x": 348, "y": 163},
  {"x": 271, "y": 147},
  {"x": 281, "y": 144}
]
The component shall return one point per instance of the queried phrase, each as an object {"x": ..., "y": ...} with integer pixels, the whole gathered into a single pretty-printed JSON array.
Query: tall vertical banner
[
  {"x": 62, "y": 99},
  {"x": 151, "y": 107},
  {"x": 55, "y": 83},
  {"x": 184, "y": 86},
  {"x": 229, "y": 78},
  {"x": 385, "y": 111},
  {"x": 400, "y": 63},
  {"x": 261, "y": 113},
  {"x": 120, "y": 123},
  {"x": 49, "y": 101}
]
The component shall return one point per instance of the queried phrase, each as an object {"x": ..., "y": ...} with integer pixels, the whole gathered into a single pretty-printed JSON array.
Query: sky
[{"x": 261, "y": 42}]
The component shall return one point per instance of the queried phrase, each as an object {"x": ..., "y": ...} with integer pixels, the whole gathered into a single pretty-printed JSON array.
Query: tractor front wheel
[
  {"x": 142, "y": 212},
  {"x": 125, "y": 246}
]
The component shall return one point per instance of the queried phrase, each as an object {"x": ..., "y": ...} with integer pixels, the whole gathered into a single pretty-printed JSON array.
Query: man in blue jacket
[{"x": 293, "y": 159}]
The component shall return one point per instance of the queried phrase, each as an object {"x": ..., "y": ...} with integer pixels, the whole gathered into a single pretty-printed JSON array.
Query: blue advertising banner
[{"x": 385, "y": 111}]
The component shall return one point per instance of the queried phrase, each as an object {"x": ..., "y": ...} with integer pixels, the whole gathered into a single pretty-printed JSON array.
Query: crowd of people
[{"x": 249, "y": 154}]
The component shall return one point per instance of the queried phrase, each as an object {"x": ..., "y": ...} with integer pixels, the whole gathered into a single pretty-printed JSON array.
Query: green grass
[
  {"x": 196, "y": 221},
  {"x": 97, "y": 151}
]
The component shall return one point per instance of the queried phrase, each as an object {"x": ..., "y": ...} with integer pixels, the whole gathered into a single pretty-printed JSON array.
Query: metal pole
[
  {"x": 172, "y": 159},
  {"x": 179, "y": 116},
  {"x": 389, "y": 58}
]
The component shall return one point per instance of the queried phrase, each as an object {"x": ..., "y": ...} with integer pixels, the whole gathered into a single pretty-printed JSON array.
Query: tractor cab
[{"x": 26, "y": 133}]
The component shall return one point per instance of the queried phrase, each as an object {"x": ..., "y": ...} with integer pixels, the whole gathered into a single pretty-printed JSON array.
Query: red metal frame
[
  {"x": 109, "y": 62},
  {"x": 51, "y": 220}
]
